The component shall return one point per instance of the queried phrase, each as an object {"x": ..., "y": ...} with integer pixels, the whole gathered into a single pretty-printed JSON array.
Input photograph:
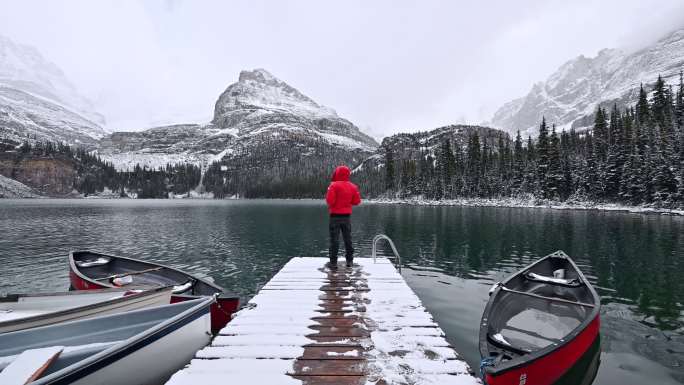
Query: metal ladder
[{"x": 394, "y": 249}]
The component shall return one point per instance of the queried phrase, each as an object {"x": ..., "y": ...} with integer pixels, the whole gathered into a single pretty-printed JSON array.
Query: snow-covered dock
[{"x": 311, "y": 325}]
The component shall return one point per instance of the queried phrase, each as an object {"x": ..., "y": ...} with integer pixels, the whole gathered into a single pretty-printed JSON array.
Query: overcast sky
[{"x": 387, "y": 66}]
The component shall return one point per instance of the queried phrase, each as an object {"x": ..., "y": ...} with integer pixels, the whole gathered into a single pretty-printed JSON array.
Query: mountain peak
[
  {"x": 259, "y": 90},
  {"x": 258, "y": 75}
]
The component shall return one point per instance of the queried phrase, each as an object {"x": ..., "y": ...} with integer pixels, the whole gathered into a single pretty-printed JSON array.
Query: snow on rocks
[
  {"x": 10, "y": 188},
  {"x": 525, "y": 202}
]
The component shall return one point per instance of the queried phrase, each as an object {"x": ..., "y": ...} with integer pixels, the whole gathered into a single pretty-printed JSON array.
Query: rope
[
  {"x": 224, "y": 311},
  {"x": 487, "y": 361}
]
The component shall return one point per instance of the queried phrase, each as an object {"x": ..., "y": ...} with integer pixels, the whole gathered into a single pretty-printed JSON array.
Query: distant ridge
[{"x": 573, "y": 92}]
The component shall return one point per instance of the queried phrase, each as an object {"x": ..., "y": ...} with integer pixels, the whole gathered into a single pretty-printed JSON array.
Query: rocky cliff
[{"x": 47, "y": 175}]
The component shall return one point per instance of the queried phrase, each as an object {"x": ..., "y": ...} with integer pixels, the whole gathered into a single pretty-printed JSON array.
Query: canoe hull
[
  {"x": 540, "y": 324},
  {"x": 151, "y": 364},
  {"x": 78, "y": 283},
  {"x": 547, "y": 370},
  {"x": 141, "y": 347},
  {"x": 221, "y": 311}
]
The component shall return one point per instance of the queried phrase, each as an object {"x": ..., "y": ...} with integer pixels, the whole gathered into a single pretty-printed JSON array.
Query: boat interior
[
  {"x": 141, "y": 274},
  {"x": 536, "y": 308},
  {"x": 15, "y": 306}
]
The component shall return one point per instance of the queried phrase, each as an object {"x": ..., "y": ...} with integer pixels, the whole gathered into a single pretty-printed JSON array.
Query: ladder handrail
[{"x": 394, "y": 249}]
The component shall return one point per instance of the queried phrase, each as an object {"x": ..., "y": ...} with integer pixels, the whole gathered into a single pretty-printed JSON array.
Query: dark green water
[{"x": 452, "y": 255}]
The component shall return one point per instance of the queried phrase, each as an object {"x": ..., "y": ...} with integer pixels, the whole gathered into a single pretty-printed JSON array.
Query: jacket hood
[{"x": 341, "y": 174}]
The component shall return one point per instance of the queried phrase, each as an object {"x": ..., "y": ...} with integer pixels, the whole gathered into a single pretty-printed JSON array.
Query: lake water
[{"x": 452, "y": 255}]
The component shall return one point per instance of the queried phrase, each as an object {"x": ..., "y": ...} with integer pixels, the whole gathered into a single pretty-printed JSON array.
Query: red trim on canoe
[{"x": 549, "y": 368}]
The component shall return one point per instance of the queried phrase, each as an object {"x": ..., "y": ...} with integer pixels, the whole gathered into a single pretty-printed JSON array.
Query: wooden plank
[
  {"x": 338, "y": 322},
  {"x": 332, "y": 380},
  {"x": 307, "y": 367},
  {"x": 337, "y": 340},
  {"x": 338, "y": 331},
  {"x": 318, "y": 352}
]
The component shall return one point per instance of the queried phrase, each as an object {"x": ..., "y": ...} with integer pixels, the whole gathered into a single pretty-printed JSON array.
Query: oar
[
  {"x": 29, "y": 365},
  {"x": 131, "y": 273}
]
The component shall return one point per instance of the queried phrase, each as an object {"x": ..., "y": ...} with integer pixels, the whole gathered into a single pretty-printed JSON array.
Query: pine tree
[
  {"x": 679, "y": 108},
  {"x": 664, "y": 182},
  {"x": 554, "y": 175},
  {"x": 632, "y": 187},
  {"x": 643, "y": 110},
  {"x": 600, "y": 134},
  {"x": 446, "y": 165},
  {"x": 459, "y": 171},
  {"x": 474, "y": 165},
  {"x": 389, "y": 170},
  {"x": 660, "y": 107},
  {"x": 680, "y": 130},
  {"x": 543, "y": 158},
  {"x": 530, "y": 180},
  {"x": 612, "y": 169},
  {"x": 567, "y": 148},
  {"x": 518, "y": 164},
  {"x": 591, "y": 184},
  {"x": 403, "y": 177}
]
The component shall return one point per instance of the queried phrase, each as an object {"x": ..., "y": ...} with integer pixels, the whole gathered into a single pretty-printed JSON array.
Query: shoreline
[
  {"x": 469, "y": 202},
  {"x": 529, "y": 204}
]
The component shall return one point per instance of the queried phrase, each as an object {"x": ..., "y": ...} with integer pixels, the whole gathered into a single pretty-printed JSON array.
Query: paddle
[
  {"x": 29, "y": 365},
  {"x": 131, "y": 273}
]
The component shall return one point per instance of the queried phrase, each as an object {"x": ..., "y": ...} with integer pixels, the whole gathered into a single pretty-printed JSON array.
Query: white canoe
[
  {"x": 24, "y": 311},
  {"x": 141, "y": 347}
]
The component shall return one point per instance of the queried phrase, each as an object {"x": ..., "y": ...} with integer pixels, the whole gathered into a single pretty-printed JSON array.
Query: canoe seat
[
  {"x": 523, "y": 341},
  {"x": 574, "y": 282},
  {"x": 182, "y": 288},
  {"x": 499, "y": 340},
  {"x": 101, "y": 261}
]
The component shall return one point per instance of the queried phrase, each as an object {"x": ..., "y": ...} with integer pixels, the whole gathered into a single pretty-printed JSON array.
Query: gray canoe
[
  {"x": 25, "y": 311},
  {"x": 140, "y": 347}
]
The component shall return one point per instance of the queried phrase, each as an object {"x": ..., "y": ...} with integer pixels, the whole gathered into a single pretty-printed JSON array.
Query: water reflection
[{"x": 453, "y": 255}]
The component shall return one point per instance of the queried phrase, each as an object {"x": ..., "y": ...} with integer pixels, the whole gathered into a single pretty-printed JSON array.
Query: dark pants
[{"x": 337, "y": 225}]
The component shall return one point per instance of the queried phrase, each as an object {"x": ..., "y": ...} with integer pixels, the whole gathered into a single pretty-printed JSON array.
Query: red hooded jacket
[{"x": 342, "y": 194}]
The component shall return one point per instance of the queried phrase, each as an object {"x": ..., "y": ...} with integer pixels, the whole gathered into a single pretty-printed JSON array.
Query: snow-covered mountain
[
  {"x": 252, "y": 114},
  {"x": 578, "y": 86},
  {"x": 37, "y": 99}
]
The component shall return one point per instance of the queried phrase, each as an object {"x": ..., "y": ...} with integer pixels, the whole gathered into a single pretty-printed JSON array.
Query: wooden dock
[{"x": 311, "y": 325}]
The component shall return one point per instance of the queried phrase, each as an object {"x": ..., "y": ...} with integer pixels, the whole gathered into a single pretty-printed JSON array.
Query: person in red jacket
[{"x": 341, "y": 196}]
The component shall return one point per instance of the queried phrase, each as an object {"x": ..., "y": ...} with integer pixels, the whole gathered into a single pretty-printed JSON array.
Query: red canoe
[
  {"x": 541, "y": 325},
  {"x": 93, "y": 270}
]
